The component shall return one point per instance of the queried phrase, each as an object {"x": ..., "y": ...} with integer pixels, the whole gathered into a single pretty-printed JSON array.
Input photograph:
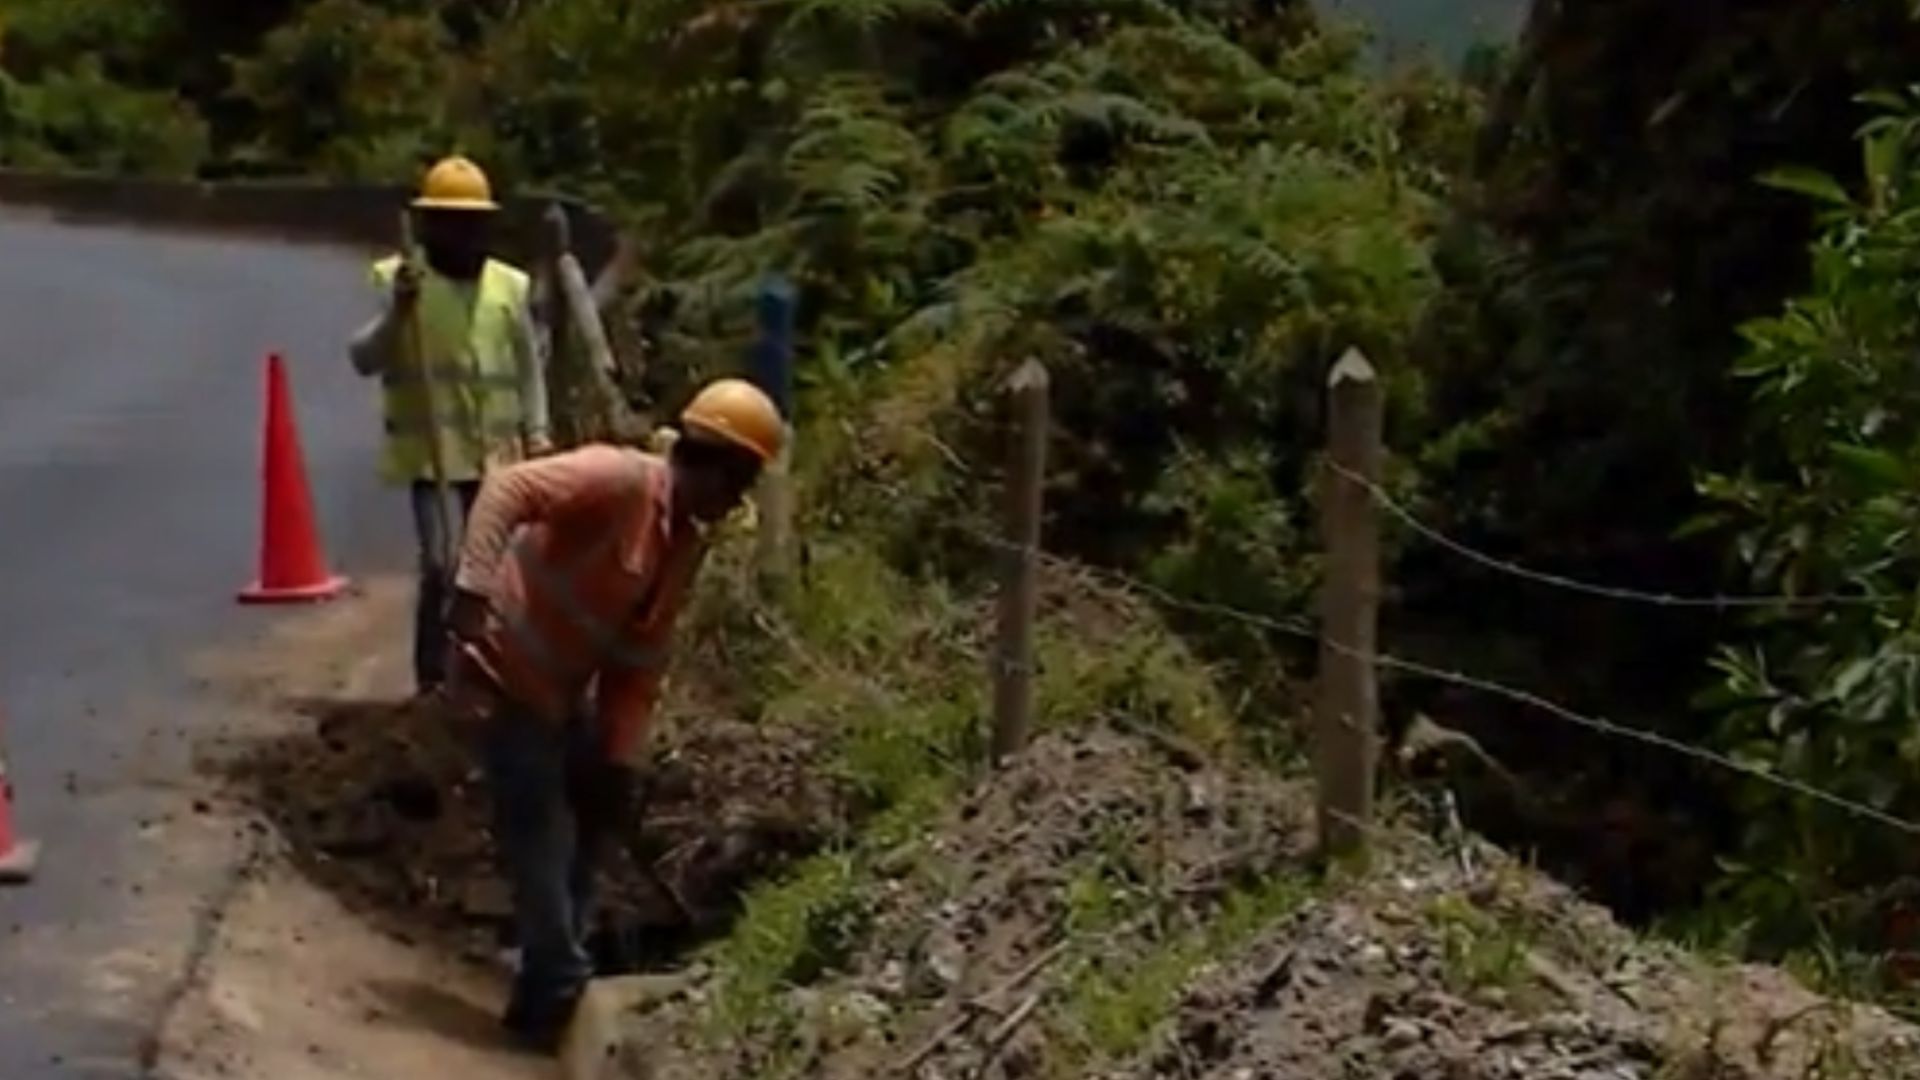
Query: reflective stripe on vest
[
  {"x": 410, "y": 380},
  {"x": 470, "y": 337}
]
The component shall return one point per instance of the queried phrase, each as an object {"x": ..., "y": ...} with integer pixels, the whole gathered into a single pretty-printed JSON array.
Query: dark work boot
[{"x": 540, "y": 1026}]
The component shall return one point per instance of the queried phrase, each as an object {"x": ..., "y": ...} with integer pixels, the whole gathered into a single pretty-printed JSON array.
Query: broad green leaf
[
  {"x": 1850, "y": 678},
  {"x": 1809, "y": 182},
  {"x": 1868, "y": 466},
  {"x": 1882, "y": 99}
]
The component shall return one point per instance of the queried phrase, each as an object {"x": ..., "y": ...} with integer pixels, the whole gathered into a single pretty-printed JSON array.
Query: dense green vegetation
[{"x": 1611, "y": 351}]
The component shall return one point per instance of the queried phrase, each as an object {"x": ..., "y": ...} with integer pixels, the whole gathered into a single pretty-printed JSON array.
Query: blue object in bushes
[{"x": 770, "y": 362}]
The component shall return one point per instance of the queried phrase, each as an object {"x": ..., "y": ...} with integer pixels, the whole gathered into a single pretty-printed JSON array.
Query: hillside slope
[
  {"x": 838, "y": 890},
  {"x": 1106, "y": 909}
]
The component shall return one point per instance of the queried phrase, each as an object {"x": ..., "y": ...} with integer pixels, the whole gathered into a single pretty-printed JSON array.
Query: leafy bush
[
  {"x": 350, "y": 90},
  {"x": 122, "y": 36},
  {"x": 80, "y": 119},
  {"x": 1187, "y": 233},
  {"x": 1828, "y": 502}
]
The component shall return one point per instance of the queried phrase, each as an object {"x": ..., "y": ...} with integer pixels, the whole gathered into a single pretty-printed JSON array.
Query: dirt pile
[
  {"x": 1077, "y": 849},
  {"x": 1422, "y": 971},
  {"x": 384, "y": 805},
  {"x": 1116, "y": 907}
]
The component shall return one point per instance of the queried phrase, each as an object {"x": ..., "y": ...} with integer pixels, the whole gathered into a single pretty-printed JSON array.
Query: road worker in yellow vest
[
  {"x": 574, "y": 571},
  {"x": 467, "y": 317}
]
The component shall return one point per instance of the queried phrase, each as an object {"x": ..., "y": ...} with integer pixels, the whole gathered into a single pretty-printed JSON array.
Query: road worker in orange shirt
[{"x": 573, "y": 571}]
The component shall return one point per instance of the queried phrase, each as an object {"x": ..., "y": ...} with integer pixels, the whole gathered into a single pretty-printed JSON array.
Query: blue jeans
[
  {"x": 436, "y": 578},
  {"x": 549, "y": 855}
]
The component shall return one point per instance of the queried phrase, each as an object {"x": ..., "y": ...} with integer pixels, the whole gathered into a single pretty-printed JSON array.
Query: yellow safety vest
[{"x": 468, "y": 334}]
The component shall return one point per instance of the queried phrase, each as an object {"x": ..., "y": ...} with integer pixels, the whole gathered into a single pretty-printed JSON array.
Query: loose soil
[
  {"x": 287, "y": 982},
  {"x": 986, "y": 957},
  {"x": 383, "y": 804},
  {"x": 367, "y": 934}
]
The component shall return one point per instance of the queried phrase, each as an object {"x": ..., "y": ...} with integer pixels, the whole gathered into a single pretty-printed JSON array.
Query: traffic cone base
[
  {"x": 259, "y": 593},
  {"x": 17, "y": 866},
  {"x": 18, "y": 855},
  {"x": 293, "y": 569}
]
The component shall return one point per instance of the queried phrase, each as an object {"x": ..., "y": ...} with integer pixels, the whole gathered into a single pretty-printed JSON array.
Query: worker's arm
[
  {"x": 535, "y": 426},
  {"x": 376, "y": 349},
  {"x": 545, "y": 489},
  {"x": 629, "y": 690},
  {"x": 635, "y": 670}
]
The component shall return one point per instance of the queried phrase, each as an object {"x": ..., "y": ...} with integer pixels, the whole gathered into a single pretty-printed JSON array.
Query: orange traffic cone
[
  {"x": 292, "y": 567},
  {"x": 18, "y": 856}
]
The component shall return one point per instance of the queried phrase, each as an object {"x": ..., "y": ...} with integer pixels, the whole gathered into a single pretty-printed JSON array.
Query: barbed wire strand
[
  {"x": 1601, "y": 725},
  {"x": 1719, "y": 602},
  {"x": 1303, "y": 629}
]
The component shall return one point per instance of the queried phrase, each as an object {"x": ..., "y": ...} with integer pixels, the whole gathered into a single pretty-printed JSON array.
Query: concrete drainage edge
[{"x": 208, "y": 922}]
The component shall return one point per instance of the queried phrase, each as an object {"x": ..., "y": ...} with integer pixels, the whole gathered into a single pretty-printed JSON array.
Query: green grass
[
  {"x": 892, "y": 672},
  {"x": 789, "y": 933},
  {"x": 1483, "y": 949},
  {"x": 1140, "y": 674},
  {"x": 1115, "y": 1002}
]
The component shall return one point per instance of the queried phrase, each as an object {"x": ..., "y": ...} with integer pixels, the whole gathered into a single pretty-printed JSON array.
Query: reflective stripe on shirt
[{"x": 556, "y": 587}]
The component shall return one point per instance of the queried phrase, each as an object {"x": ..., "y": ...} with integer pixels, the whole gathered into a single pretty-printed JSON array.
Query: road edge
[{"x": 309, "y": 211}]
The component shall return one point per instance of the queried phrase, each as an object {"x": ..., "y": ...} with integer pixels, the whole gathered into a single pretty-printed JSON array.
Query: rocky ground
[{"x": 1110, "y": 908}]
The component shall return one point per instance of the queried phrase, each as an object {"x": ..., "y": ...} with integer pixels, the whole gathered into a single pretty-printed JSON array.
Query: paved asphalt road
[{"x": 130, "y": 411}]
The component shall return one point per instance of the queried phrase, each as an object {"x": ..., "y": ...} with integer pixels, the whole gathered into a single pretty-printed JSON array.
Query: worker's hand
[
  {"x": 604, "y": 793},
  {"x": 406, "y": 288},
  {"x": 467, "y": 615},
  {"x": 466, "y": 700}
]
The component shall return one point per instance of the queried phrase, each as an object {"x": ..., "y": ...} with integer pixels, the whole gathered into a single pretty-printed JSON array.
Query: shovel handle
[{"x": 417, "y": 344}]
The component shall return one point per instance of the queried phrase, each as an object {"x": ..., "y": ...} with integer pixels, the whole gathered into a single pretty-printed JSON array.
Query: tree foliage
[
  {"x": 343, "y": 91},
  {"x": 1827, "y": 502},
  {"x": 1612, "y": 241}
]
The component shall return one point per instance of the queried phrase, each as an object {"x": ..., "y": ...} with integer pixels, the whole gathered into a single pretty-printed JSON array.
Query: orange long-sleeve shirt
[{"x": 586, "y": 568}]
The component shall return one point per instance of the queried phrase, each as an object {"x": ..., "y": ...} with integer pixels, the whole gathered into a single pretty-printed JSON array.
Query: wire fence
[
  {"x": 1016, "y": 664},
  {"x": 1413, "y": 524},
  {"x": 1303, "y": 629}
]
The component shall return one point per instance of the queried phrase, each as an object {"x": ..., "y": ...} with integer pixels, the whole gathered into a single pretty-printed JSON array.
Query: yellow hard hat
[
  {"x": 738, "y": 413},
  {"x": 455, "y": 183}
]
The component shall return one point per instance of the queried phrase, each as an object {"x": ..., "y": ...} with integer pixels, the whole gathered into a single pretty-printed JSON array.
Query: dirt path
[
  {"x": 299, "y": 988},
  {"x": 291, "y": 983}
]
